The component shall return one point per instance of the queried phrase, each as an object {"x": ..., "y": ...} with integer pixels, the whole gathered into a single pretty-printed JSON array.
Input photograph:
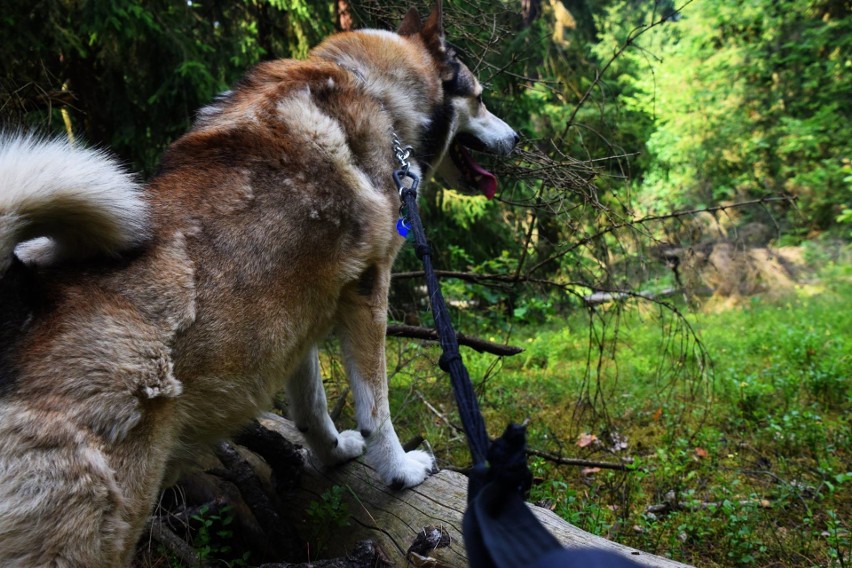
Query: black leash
[
  {"x": 451, "y": 361},
  {"x": 499, "y": 529}
]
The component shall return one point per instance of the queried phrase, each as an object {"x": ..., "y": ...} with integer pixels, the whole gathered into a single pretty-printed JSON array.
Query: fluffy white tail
[{"x": 81, "y": 199}]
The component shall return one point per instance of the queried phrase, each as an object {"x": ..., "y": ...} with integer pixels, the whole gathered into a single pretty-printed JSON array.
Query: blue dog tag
[{"x": 402, "y": 228}]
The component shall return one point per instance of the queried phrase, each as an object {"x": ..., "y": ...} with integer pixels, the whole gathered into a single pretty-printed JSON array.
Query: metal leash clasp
[
  {"x": 403, "y": 225},
  {"x": 399, "y": 177},
  {"x": 406, "y": 183},
  {"x": 402, "y": 153}
]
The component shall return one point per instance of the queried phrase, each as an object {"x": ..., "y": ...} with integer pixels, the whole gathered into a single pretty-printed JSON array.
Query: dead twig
[
  {"x": 481, "y": 345},
  {"x": 632, "y": 223},
  {"x": 174, "y": 544},
  {"x": 581, "y": 463},
  {"x": 441, "y": 416},
  {"x": 339, "y": 405}
]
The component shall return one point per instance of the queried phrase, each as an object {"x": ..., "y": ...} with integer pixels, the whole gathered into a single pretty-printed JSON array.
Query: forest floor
[
  {"x": 735, "y": 423},
  {"x": 717, "y": 434}
]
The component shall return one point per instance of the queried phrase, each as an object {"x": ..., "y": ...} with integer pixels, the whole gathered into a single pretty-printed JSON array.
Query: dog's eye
[{"x": 479, "y": 98}]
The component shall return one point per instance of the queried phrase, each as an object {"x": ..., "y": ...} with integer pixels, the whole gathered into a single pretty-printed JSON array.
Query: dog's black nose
[{"x": 516, "y": 139}]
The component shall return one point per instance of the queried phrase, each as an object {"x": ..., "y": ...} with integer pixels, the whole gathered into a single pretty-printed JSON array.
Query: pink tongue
[{"x": 487, "y": 182}]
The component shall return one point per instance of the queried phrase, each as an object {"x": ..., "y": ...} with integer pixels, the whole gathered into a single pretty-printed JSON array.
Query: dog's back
[
  {"x": 223, "y": 272},
  {"x": 151, "y": 321}
]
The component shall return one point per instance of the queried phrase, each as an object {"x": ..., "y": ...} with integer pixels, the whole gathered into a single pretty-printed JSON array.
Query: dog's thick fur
[{"x": 152, "y": 321}]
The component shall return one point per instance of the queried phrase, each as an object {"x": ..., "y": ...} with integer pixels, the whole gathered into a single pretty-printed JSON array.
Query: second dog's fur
[{"x": 152, "y": 321}]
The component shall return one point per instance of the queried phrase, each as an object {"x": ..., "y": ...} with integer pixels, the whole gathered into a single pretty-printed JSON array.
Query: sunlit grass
[{"x": 750, "y": 446}]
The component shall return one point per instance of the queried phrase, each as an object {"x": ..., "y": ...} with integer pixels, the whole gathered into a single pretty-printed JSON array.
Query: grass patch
[{"x": 741, "y": 440}]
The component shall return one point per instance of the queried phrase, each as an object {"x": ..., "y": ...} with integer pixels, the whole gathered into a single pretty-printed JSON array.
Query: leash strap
[
  {"x": 499, "y": 529},
  {"x": 451, "y": 361}
]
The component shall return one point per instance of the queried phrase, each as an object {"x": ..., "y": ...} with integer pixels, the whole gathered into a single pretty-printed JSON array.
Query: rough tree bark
[{"x": 407, "y": 525}]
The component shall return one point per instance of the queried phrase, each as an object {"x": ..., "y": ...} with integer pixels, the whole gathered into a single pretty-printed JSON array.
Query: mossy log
[{"x": 419, "y": 526}]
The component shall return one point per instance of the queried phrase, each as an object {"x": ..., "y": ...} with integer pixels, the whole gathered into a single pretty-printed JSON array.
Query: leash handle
[{"x": 451, "y": 361}]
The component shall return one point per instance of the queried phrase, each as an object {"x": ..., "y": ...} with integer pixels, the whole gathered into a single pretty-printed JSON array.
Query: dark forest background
[{"x": 670, "y": 242}]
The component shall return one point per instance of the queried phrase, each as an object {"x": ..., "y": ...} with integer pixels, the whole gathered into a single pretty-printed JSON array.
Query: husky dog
[{"x": 140, "y": 323}]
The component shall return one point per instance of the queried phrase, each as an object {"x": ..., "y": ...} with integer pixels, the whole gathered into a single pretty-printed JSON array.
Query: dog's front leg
[
  {"x": 362, "y": 326},
  {"x": 309, "y": 410}
]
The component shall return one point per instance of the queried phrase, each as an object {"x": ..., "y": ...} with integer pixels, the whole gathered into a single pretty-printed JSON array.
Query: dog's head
[
  {"x": 434, "y": 100},
  {"x": 462, "y": 123}
]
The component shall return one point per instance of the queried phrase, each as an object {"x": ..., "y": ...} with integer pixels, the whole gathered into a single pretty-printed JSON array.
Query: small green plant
[
  {"x": 837, "y": 537},
  {"x": 555, "y": 495},
  {"x": 330, "y": 508},
  {"x": 327, "y": 515},
  {"x": 743, "y": 543},
  {"x": 214, "y": 535}
]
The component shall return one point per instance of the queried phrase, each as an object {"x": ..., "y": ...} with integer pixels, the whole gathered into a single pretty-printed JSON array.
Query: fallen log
[{"x": 419, "y": 526}]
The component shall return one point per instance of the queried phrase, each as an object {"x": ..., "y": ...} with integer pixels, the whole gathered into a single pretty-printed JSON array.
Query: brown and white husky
[{"x": 140, "y": 322}]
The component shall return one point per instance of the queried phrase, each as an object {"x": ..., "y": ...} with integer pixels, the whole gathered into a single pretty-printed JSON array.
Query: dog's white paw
[
  {"x": 350, "y": 445},
  {"x": 411, "y": 470}
]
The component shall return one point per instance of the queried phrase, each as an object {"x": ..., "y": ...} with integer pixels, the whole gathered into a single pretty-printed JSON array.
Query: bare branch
[
  {"x": 631, "y": 38},
  {"x": 633, "y": 223},
  {"x": 579, "y": 462},
  {"x": 174, "y": 544},
  {"x": 476, "y": 343}
]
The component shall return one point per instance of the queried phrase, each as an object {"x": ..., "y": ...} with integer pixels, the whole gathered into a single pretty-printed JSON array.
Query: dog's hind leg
[
  {"x": 362, "y": 326},
  {"x": 60, "y": 502},
  {"x": 309, "y": 410}
]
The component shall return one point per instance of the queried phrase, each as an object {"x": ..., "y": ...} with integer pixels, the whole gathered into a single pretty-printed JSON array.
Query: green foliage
[
  {"x": 213, "y": 536},
  {"x": 839, "y": 542},
  {"x": 740, "y": 101},
  {"x": 330, "y": 509},
  {"x": 131, "y": 74},
  {"x": 328, "y": 515},
  {"x": 756, "y": 474}
]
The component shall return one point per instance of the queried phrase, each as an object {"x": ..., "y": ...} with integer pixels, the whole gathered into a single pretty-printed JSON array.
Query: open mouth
[{"x": 472, "y": 173}]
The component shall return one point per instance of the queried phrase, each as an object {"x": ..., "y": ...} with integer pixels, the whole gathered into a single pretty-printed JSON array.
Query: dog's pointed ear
[
  {"x": 435, "y": 22},
  {"x": 433, "y": 31},
  {"x": 411, "y": 23}
]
